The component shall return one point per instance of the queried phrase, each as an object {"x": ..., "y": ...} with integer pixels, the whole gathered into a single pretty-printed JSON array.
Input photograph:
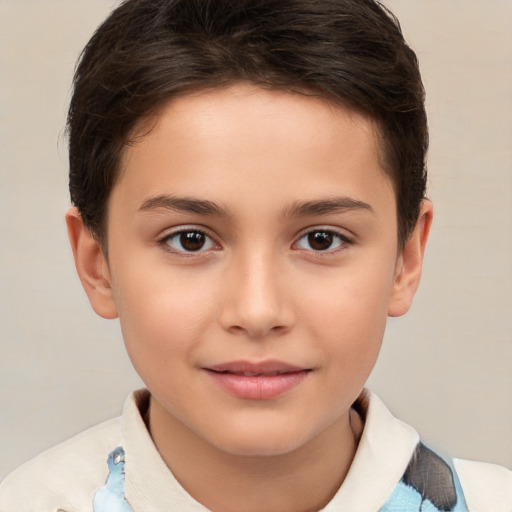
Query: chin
[
  {"x": 263, "y": 442},
  {"x": 259, "y": 449}
]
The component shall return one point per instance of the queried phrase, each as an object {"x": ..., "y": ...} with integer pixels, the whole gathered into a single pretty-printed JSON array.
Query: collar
[{"x": 384, "y": 451}]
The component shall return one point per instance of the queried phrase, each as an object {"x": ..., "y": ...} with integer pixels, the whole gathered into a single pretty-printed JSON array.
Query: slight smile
[{"x": 257, "y": 381}]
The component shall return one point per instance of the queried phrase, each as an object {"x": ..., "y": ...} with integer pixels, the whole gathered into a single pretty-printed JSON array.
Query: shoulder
[
  {"x": 76, "y": 467},
  {"x": 486, "y": 486}
]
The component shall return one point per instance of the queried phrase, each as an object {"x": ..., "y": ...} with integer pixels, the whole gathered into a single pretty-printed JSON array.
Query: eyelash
[
  {"x": 342, "y": 240},
  {"x": 329, "y": 235},
  {"x": 165, "y": 241}
]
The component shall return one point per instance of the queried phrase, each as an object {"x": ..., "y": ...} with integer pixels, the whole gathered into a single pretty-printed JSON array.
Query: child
[{"x": 248, "y": 180}]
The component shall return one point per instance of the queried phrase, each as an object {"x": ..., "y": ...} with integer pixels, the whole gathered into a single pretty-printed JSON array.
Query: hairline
[{"x": 144, "y": 124}]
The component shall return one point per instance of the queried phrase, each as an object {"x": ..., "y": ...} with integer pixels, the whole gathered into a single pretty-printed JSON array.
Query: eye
[
  {"x": 321, "y": 240},
  {"x": 190, "y": 240}
]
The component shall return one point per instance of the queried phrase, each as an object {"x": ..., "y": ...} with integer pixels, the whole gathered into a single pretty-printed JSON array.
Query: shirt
[{"x": 115, "y": 467}]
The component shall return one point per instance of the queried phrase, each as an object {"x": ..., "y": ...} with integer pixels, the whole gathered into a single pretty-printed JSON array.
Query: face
[{"x": 252, "y": 242}]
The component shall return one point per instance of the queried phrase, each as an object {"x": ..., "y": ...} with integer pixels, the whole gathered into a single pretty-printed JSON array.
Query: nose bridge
[{"x": 255, "y": 299}]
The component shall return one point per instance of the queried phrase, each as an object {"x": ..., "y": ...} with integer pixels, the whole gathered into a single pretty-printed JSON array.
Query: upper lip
[{"x": 269, "y": 367}]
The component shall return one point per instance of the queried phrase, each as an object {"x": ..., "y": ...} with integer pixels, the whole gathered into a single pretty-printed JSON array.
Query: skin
[{"x": 274, "y": 167}]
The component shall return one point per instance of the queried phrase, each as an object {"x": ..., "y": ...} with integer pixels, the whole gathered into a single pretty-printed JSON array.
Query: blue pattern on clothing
[
  {"x": 407, "y": 499},
  {"x": 429, "y": 485},
  {"x": 110, "y": 497}
]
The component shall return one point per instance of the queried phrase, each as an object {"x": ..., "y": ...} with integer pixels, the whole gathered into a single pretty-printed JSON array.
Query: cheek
[
  {"x": 160, "y": 317},
  {"x": 350, "y": 314},
  {"x": 356, "y": 330}
]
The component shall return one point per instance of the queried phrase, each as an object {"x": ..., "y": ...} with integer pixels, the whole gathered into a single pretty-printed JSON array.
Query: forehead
[
  {"x": 228, "y": 106},
  {"x": 241, "y": 141}
]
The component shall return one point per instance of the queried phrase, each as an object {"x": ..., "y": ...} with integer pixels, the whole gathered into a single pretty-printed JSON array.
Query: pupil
[
  {"x": 320, "y": 240},
  {"x": 192, "y": 240}
]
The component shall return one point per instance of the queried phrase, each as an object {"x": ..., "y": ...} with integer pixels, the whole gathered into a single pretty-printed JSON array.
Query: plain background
[{"x": 445, "y": 367}]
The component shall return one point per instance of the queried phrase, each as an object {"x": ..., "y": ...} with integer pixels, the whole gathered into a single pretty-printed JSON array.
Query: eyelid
[
  {"x": 346, "y": 239},
  {"x": 172, "y": 232}
]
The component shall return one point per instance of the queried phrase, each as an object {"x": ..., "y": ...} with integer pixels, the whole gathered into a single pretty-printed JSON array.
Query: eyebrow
[
  {"x": 296, "y": 209},
  {"x": 184, "y": 205},
  {"x": 325, "y": 207}
]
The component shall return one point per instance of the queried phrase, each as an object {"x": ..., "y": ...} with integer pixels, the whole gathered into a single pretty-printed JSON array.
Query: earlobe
[
  {"x": 410, "y": 263},
  {"x": 91, "y": 266}
]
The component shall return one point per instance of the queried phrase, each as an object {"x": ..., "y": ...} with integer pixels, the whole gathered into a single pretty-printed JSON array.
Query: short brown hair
[{"x": 149, "y": 51}]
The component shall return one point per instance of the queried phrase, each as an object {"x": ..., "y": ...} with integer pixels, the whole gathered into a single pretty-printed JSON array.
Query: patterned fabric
[
  {"x": 429, "y": 484},
  {"x": 110, "y": 497}
]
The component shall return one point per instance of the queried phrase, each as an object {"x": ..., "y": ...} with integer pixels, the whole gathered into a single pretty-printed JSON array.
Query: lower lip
[{"x": 258, "y": 387}]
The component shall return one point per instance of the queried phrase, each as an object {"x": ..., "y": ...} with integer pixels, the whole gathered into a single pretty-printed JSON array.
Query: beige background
[{"x": 445, "y": 368}]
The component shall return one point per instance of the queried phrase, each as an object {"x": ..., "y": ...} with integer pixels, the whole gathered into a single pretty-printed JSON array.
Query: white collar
[{"x": 383, "y": 454}]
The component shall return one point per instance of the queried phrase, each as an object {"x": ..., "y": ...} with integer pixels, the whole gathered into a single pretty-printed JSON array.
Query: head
[
  {"x": 248, "y": 178},
  {"x": 349, "y": 52}
]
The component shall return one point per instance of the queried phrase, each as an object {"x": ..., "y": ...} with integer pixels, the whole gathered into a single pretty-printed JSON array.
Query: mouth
[
  {"x": 254, "y": 374},
  {"x": 257, "y": 381},
  {"x": 270, "y": 367}
]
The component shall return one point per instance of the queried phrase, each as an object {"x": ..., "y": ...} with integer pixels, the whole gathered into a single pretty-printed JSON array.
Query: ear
[
  {"x": 410, "y": 263},
  {"x": 91, "y": 266}
]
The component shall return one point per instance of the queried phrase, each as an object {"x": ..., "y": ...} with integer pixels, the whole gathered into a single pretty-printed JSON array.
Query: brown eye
[
  {"x": 192, "y": 240},
  {"x": 321, "y": 240},
  {"x": 189, "y": 241}
]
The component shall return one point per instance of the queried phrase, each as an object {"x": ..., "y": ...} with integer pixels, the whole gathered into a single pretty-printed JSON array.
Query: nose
[{"x": 255, "y": 298}]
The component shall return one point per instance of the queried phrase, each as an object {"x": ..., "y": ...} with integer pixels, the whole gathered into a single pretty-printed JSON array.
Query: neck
[{"x": 304, "y": 479}]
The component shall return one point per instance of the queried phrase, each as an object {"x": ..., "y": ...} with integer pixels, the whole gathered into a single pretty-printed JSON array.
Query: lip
[{"x": 257, "y": 381}]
